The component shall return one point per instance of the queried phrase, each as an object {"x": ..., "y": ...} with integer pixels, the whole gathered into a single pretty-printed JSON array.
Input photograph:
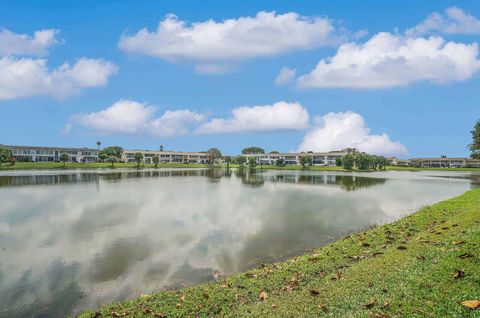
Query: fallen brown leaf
[
  {"x": 314, "y": 292},
  {"x": 323, "y": 307},
  {"x": 274, "y": 306},
  {"x": 457, "y": 242},
  {"x": 401, "y": 247},
  {"x": 458, "y": 274},
  {"x": 262, "y": 296},
  {"x": 421, "y": 257},
  {"x": 116, "y": 314},
  {"x": 371, "y": 303},
  {"x": 465, "y": 255},
  {"x": 472, "y": 304},
  {"x": 182, "y": 298}
]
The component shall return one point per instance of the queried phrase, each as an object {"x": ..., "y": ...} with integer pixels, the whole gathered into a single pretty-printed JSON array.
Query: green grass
[{"x": 403, "y": 269}]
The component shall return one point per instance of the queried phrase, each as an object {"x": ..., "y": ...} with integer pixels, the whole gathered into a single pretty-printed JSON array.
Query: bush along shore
[{"x": 424, "y": 265}]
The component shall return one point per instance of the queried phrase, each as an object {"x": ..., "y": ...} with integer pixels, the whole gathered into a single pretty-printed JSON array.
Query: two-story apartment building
[
  {"x": 51, "y": 154},
  {"x": 318, "y": 158},
  {"x": 167, "y": 156},
  {"x": 444, "y": 162}
]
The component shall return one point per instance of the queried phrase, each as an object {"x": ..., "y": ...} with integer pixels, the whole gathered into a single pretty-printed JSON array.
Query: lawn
[{"x": 423, "y": 265}]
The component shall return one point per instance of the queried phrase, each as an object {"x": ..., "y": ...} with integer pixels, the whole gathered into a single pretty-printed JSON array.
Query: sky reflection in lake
[{"x": 72, "y": 240}]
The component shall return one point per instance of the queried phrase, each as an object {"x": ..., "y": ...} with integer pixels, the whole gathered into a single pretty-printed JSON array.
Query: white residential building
[
  {"x": 51, "y": 154},
  {"x": 318, "y": 158},
  {"x": 167, "y": 156}
]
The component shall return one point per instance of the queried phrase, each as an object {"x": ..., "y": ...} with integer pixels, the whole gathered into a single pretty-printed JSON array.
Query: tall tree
[
  {"x": 214, "y": 154},
  {"x": 5, "y": 155},
  {"x": 64, "y": 157},
  {"x": 241, "y": 160},
  {"x": 112, "y": 154},
  {"x": 156, "y": 160},
  {"x": 252, "y": 150},
  {"x": 228, "y": 160},
  {"x": 475, "y": 145},
  {"x": 138, "y": 158},
  {"x": 306, "y": 161},
  {"x": 98, "y": 144},
  {"x": 348, "y": 161}
]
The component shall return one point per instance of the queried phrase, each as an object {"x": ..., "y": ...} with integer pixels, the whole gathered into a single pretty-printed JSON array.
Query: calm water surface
[{"x": 72, "y": 240}]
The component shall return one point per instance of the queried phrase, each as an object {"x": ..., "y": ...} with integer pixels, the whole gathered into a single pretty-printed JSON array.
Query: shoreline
[
  {"x": 81, "y": 166},
  {"x": 424, "y": 264}
]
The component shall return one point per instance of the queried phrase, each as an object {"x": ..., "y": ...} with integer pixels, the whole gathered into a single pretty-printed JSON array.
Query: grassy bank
[{"x": 423, "y": 265}]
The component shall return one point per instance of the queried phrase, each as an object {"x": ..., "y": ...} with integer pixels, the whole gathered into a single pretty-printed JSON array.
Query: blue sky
[{"x": 423, "y": 101}]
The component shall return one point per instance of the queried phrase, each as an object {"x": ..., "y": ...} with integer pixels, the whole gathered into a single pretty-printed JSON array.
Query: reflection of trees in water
[
  {"x": 256, "y": 178},
  {"x": 248, "y": 176}
]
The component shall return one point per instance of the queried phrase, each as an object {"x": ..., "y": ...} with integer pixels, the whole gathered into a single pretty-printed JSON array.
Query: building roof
[
  {"x": 331, "y": 153},
  {"x": 11, "y": 147},
  {"x": 438, "y": 159},
  {"x": 169, "y": 152}
]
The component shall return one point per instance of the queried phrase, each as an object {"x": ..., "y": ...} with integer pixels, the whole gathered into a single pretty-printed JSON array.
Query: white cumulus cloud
[
  {"x": 22, "y": 44},
  {"x": 278, "y": 116},
  {"x": 216, "y": 43},
  {"x": 388, "y": 60},
  {"x": 24, "y": 77},
  {"x": 335, "y": 131},
  {"x": 135, "y": 118},
  {"x": 454, "y": 21}
]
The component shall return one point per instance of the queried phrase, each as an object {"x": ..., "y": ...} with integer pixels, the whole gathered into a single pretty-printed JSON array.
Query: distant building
[
  {"x": 444, "y": 162},
  {"x": 167, "y": 156},
  {"x": 318, "y": 158},
  {"x": 51, "y": 154}
]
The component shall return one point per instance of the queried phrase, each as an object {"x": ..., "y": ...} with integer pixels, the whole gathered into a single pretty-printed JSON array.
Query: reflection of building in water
[
  {"x": 78, "y": 177},
  {"x": 318, "y": 158},
  {"x": 167, "y": 156},
  {"x": 250, "y": 177},
  {"x": 51, "y": 154}
]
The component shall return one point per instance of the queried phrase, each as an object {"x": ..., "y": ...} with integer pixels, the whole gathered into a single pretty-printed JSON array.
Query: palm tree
[
  {"x": 228, "y": 159},
  {"x": 98, "y": 145}
]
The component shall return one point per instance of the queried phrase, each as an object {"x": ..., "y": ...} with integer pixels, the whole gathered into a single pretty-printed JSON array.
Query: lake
[{"x": 71, "y": 240}]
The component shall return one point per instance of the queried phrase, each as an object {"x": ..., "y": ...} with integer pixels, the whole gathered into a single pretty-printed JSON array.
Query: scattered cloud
[
  {"x": 24, "y": 77},
  {"x": 212, "y": 44},
  {"x": 389, "y": 60},
  {"x": 454, "y": 21},
  {"x": 135, "y": 118},
  {"x": 285, "y": 76},
  {"x": 335, "y": 131},
  {"x": 278, "y": 116},
  {"x": 25, "y": 45}
]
